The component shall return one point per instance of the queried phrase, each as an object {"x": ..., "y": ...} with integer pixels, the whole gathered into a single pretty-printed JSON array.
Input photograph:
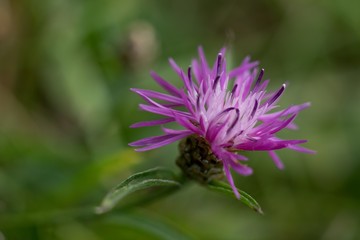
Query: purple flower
[{"x": 230, "y": 110}]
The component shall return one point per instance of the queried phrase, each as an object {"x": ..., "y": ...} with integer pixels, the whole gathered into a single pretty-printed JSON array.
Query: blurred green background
[{"x": 65, "y": 109}]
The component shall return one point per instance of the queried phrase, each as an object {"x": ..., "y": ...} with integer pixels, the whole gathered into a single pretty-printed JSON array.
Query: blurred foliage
[{"x": 65, "y": 70}]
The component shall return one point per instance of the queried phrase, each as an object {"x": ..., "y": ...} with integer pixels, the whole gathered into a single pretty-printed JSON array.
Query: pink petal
[
  {"x": 164, "y": 111},
  {"x": 241, "y": 169},
  {"x": 276, "y": 160},
  {"x": 301, "y": 149},
  {"x": 157, "y": 95},
  {"x": 267, "y": 144},
  {"x": 230, "y": 179},
  {"x": 158, "y": 141},
  {"x": 164, "y": 84},
  {"x": 152, "y": 123}
]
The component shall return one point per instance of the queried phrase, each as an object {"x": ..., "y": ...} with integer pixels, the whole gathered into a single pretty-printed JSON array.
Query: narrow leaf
[
  {"x": 155, "y": 177},
  {"x": 244, "y": 197}
]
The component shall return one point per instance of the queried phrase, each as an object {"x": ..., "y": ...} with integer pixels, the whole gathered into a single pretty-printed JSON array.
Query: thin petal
[
  {"x": 185, "y": 122},
  {"x": 290, "y": 110},
  {"x": 301, "y": 149},
  {"x": 277, "y": 95},
  {"x": 157, "y": 95},
  {"x": 152, "y": 123},
  {"x": 241, "y": 168},
  {"x": 181, "y": 74},
  {"x": 203, "y": 61},
  {"x": 279, "y": 164},
  {"x": 282, "y": 125},
  {"x": 230, "y": 179},
  {"x": 267, "y": 144},
  {"x": 241, "y": 69},
  {"x": 165, "y": 85},
  {"x": 292, "y": 126},
  {"x": 158, "y": 141},
  {"x": 150, "y": 140},
  {"x": 174, "y": 131},
  {"x": 164, "y": 111}
]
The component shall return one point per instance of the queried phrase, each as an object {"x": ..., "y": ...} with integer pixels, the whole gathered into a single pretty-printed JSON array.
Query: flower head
[{"x": 229, "y": 111}]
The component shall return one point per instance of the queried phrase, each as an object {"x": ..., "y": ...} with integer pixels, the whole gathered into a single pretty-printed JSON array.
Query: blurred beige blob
[
  {"x": 5, "y": 19},
  {"x": 141, "y": 45}
]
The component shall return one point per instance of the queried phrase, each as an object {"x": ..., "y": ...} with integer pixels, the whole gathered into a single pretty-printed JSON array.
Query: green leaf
[
  {"x": 245, "y": 198},
  {"x": 156, "y": 177}
]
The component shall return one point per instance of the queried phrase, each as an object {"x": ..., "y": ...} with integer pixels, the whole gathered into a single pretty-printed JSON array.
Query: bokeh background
[{"x": 65, "y": 109}]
